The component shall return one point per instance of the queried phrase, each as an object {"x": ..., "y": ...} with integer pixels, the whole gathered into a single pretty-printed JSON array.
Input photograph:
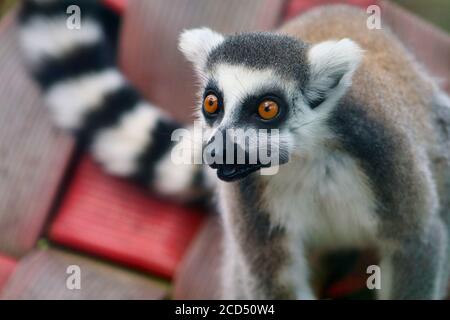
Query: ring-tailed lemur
[{"x": 365, "y": 144}]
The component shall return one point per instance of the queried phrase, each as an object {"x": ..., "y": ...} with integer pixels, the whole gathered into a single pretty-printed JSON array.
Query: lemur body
[
  {"x": 362, "y": 158},
  {"x": 366, "y": 134}
]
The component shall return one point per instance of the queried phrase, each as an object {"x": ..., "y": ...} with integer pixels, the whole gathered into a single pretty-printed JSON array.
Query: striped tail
[{"x": 88, "y": 95}]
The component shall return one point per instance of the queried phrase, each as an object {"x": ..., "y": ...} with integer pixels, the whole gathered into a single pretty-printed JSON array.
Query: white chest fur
[{"x": 325, "y": 200}]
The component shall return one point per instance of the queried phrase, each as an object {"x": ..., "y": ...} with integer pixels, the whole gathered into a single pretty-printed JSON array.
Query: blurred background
[
  {"x": 434, "y": 11},
  {"x": 58, "y": 209}
]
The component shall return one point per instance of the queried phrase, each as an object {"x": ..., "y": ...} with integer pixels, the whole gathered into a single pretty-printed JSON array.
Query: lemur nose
[{"x": 221, "y": 151}]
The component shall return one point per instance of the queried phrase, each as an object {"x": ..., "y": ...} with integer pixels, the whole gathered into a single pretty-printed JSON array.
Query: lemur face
[{"x": 265, "y": 97}]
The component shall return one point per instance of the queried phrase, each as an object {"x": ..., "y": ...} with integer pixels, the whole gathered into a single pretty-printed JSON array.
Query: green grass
[
  {"x": 435, "y": 11},
  {"x": 5, "y": 6}
]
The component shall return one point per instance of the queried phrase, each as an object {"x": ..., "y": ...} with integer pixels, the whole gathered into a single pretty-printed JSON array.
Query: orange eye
[
  {"x": 268, "y": 109},
  {"x": 211, "y": 104}
]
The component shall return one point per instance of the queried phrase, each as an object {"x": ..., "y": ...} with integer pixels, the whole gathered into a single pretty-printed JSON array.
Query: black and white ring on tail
[
  {"x": 365, "y": 132},
  {"x": 88, "y": 95}
]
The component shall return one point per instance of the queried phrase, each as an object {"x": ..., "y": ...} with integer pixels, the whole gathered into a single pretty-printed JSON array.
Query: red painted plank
[
  {"x": 117, "y": 5},
  {"x": 296, "y": 7},
  {"x": 7, "y": 266},
  {"x": 115, "y": 219}
]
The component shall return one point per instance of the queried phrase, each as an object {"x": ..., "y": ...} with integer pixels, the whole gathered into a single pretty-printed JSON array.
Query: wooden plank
[
  {"x": 7, "y": 266},
  {"x": 33, "y": 153},
  {"x": 42, "y": 274},
  {"x": 115, "y": 219},
  {"x": 198, "y": 277},
  {"x": 150, "y": 56}
]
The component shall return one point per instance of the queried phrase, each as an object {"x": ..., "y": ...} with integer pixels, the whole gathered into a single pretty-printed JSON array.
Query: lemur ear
[
  {"x": 196, "y": 44},
  {"x": 332, "y": 64}
]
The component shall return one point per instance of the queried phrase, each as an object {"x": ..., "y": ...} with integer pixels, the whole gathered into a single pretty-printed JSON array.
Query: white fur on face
[
  {"x": 117, "y": 148},
  {"x": 70, "y": 100},
  {"x": 310, "y": 129},
  {"x": 307, "y": 127},
  {"x": 238, "y": 82},
  {"x": 330, "y": 62},
  {"x": 49, "y": 37}
]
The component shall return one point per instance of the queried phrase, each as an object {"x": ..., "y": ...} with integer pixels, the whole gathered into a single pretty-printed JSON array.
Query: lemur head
[{"x": 266, "y": 81}]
